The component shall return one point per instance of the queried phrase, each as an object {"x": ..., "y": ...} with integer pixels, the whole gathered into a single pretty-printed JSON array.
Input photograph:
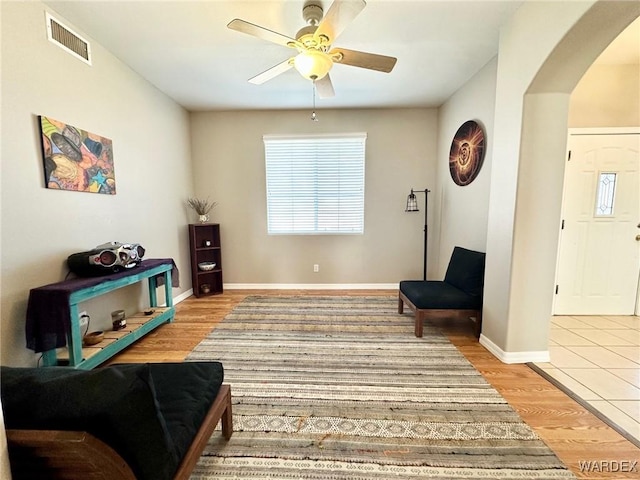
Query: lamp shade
[
  {"x": 313, "y": 64},
  {"x": 412, "y": 203}
]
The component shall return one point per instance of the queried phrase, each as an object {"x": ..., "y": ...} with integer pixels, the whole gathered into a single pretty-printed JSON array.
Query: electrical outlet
[
  {"x": 83, "y": 318},
  {"x": 316, "y": 267}
]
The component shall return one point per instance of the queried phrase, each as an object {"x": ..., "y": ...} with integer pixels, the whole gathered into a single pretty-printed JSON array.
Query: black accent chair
[{"x": 459, "y": 295}]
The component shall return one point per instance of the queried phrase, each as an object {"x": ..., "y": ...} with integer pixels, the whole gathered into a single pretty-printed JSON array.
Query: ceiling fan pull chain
[{"x": 313, "y": 113}]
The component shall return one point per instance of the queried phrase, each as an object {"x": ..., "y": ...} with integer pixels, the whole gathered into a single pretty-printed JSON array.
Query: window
[
  {"x": 606, "y": 194},
  {"x": 315, "y": 184}
]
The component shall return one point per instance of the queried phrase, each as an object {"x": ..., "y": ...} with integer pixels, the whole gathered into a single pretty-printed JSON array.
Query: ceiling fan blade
[
  {"x": 372, "y": 61},
  {"x": 272, "y": 72},
  {"x": 340, "y": 14},
  {"x": 261, "y": 32},
  {"x": 324, "y": 87}
]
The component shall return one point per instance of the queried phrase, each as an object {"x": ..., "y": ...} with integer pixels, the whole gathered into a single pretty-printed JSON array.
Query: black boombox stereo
[{"x": 111, "y": 257}]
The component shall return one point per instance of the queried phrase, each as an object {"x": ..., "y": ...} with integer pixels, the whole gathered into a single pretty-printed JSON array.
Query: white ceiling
[{"x": 185, "y": 49}]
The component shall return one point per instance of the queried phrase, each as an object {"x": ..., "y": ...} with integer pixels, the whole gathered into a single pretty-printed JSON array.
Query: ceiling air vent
[{"x": 68, "y": 40}]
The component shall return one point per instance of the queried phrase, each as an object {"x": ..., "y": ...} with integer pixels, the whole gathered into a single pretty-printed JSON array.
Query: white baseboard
[
  {"x": 514, "y": 357},
  {"x": 183, "y": 296},
  {"x": 311, "y": 286}
]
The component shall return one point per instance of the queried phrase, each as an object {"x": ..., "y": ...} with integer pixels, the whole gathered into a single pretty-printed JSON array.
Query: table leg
[
  {"x": 153, "y": 297},
  {"x": 74, "y": 337},
  {"x": 168, "y": 294},
  {"x": 49, "y": 358}
]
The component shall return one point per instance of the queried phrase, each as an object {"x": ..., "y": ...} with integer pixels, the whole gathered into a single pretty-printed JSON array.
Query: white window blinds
[{"x": 315, "y": 184}]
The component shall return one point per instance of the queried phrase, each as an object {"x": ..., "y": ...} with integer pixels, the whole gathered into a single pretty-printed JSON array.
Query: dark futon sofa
[{"x": 128, "y": 421}]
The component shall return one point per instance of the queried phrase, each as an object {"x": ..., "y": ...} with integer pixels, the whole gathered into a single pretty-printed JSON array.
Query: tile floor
[{"x": 598, "y": 359}]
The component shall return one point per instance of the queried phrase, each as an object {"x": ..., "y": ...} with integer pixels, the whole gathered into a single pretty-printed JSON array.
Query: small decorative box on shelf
[{"x": 206, "y": 259}]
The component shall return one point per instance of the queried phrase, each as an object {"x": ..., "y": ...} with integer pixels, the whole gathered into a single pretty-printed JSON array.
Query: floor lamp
[{"x": 412, "y": 206}]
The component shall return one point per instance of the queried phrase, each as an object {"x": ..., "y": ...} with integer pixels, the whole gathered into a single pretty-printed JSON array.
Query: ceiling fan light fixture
[
  {"x": 313, "y": 64},
  {"x": 313, "y": 42}
]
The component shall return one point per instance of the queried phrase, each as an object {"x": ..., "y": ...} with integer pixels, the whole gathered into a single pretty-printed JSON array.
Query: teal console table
[{"x": 53, "y": 315}]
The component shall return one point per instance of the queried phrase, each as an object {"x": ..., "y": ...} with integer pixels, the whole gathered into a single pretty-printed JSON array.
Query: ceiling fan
[{"x": 314, "y": 42}]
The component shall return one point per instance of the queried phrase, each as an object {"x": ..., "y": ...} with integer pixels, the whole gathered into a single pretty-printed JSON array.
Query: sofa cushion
[
  {"x": 185, "y": 392},
  {"x": 466, "y": 271},
  {"x": 117, "y": 404},
  {"x": 434, "y": 294}
]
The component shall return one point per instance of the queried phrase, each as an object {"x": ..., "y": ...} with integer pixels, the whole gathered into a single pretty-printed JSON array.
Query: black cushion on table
[
  {"x": 185, "y": 392},
  {"x": 466, "y": 271},
  {"x": 117, "y": 404},
  {"x": 434, "y": 294}
]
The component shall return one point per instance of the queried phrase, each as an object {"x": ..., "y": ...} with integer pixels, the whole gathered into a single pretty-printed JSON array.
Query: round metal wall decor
[{"x": 467, "y": 153}]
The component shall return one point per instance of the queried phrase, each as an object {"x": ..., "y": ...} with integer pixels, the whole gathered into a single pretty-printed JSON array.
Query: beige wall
[
  {"x": 607, "y": 96},
  {"x": 228, "y": 156},
  {"x": 514, "y": 74},
  {"x": 41, "y": 227},
  {"x": 464, "y": 210}
]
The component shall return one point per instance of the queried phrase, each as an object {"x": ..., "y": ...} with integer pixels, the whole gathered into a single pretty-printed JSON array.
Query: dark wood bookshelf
[{"x": 204, "y": 243}]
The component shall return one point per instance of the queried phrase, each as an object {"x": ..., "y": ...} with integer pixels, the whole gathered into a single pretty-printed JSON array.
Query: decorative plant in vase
[{"x": 202, "y": 208}]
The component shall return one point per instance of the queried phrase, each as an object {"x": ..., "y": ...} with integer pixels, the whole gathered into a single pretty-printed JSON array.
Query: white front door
[{"x": 599, "y": 254}]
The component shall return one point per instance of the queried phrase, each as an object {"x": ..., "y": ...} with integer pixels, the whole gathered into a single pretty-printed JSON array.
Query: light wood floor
[{"x": 571, "y": 431}]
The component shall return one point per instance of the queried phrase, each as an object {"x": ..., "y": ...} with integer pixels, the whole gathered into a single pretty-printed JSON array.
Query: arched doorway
[
  {"x": 524, "y": 216},
  {"x": 592, "y": 352},
  {"x": 550, "y": 92}
]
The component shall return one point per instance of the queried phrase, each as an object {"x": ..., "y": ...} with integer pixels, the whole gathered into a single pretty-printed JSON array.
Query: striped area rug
[{"x": 332, "y": 387}]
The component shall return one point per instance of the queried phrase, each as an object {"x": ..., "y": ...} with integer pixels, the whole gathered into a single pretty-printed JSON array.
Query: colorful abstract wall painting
[
  {"x": 75, "y": 159},
  {"x": 466, "y": 153}
]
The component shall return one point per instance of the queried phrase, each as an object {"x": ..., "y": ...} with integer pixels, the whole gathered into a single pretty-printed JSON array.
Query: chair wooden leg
[
  {"x": 419, "y": 324},
  {"x": 400, "y": 305},
  {"x": 478, "y": 324},
  {"x": 227, "y": 418}
]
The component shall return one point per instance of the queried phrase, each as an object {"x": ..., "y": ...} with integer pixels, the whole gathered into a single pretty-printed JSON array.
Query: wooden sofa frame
[
  {"x": 58, "y": 454},
  {"x": 423, "y": 314}
]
